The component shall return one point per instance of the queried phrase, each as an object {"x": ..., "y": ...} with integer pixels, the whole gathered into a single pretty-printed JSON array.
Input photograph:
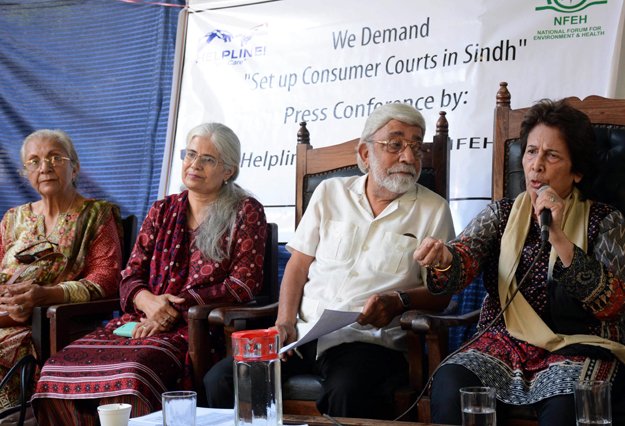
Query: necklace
[
  {"x": 62, "y": 216},
  {"x": 71, "y": 203},
  {"x": 193, "y": 223}
]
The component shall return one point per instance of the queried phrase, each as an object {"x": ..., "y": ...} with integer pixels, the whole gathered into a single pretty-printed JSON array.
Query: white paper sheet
[
  {"x": 204, "y": 417},
  {"x": 330, "y": 321}
]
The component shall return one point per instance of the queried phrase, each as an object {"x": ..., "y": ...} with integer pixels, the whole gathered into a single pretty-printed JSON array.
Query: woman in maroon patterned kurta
[{"x": 200, "y": 246}]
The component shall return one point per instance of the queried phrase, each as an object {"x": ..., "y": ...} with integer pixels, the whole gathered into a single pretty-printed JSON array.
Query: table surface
[{"x": 323, "y": 421}]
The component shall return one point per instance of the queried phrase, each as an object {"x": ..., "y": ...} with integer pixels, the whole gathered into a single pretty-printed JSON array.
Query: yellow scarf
[{"x": 521, "y": 320}]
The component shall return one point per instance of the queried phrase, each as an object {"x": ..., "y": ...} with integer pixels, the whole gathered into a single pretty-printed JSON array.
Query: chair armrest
[
  {"x": 232, "y": 317},
  {"x": 425, "y": 322},
  {"x": 200, "y": 343},
  {"x": 235, "y": 318},
  {"x": 40, "y": 332},
  {"x": 433, "y": 329},
  {"x": 200, "y": 312},
  {"x": 71, "y": 321},
  {"x": 93, "y": 306}
]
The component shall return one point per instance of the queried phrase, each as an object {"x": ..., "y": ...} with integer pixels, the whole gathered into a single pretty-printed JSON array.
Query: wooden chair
[
  {"x": 316, "y": 164},
  {"x": 299, "y": 393},
  {"x": 199, "y": 344},
  {"x": 54, "y": 327},
  {"x": 608, "y": 118}
]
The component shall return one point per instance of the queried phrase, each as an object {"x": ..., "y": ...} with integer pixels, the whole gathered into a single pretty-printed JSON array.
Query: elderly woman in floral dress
[
  {"x": 203, "y": 245},
  {"x": 61, "y": 248}
]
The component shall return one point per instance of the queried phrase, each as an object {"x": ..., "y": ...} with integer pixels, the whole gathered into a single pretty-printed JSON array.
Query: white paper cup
[{"x": 114, "y": 414}]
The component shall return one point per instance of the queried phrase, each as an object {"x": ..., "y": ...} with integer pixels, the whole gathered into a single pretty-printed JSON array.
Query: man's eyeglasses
[
  {"x": 33, "y": 253},
  {"x": 397, "y": 145},
  {"x": 53, "y": 161},
  {"x": 189, "y": 157}
]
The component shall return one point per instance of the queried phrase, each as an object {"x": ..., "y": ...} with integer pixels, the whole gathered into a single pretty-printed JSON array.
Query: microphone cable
[{"x": 477, "y": 335}]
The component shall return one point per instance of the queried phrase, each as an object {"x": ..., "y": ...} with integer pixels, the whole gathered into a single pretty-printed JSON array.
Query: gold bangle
[{"x": 442, "y": 270}]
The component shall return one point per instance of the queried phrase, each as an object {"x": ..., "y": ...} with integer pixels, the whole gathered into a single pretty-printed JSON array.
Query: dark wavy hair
[{"x": 577, "y": 132}]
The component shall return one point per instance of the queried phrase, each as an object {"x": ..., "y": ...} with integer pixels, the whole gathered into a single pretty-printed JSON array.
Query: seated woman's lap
[
  {"x": 445, "y": 396},
  {"x": 116, "y": 365},
  {"x": 446, "y": 407}
]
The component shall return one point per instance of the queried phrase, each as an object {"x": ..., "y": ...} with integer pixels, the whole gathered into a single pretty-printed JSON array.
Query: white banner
[{"x": 263, "y": 68}]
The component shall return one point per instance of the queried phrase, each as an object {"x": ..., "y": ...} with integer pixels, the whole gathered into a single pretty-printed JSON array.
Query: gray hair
[
  {"x": 56, "y": 135},
  {"x": 221, "y": 215},
  {"x": 381, "y": 116}
]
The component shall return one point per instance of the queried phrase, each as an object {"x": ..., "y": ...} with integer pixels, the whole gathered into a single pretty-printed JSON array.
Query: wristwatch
[{"x": 405, "y": 299}]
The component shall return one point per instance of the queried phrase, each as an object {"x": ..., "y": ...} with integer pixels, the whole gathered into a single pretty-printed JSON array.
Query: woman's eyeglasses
[
  {"x": 53, "y": 161},
  {"x": 29, "y": 254},
  {"x": 190, "y": 157}
]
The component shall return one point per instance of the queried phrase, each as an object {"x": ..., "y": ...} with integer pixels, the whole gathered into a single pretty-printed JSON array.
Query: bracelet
[{"x": 442, "y": 270}]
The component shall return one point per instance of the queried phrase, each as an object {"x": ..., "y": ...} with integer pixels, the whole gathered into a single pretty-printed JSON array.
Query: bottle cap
[{"x": 256, "y": 345}]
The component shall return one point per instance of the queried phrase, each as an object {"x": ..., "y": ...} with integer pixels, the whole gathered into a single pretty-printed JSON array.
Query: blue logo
[
  {"x": 225, "y": 46},
  {"x": 218, "y": 34}
]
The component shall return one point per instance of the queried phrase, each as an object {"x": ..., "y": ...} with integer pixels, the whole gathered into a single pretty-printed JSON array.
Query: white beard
[{"x": 394, "y": 182}]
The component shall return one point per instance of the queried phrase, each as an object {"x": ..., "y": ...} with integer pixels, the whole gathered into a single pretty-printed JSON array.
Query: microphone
[{"x": 545, "y": 218}]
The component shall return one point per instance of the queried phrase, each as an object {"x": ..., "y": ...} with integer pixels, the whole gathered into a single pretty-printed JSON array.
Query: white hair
[
  {"x": 381, "y": 116},
  {"x": 221, "y": 215}
]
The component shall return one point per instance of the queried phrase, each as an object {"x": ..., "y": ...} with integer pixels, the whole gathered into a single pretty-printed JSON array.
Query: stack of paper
[
  {"x": 329, "y": 321},
  {"x": 204, "y": 417}
]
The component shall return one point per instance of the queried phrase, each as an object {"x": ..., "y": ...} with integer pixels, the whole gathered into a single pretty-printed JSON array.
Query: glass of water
[
  {"x": 593, "y": 403},
  {"x": 478, "y": 406},
  {"x": 179, "y": 408}
]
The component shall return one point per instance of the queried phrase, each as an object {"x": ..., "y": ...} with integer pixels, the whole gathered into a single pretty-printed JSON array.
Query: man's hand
[
  {"x": 380, "y": 309},
  {"x": 288, "y": 334}
]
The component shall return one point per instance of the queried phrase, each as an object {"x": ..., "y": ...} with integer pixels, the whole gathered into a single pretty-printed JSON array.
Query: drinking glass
[
  {"x": 179, "y": 408},
  {"x": 478, "y": 406},
  {"x": 592, "y": 403}
]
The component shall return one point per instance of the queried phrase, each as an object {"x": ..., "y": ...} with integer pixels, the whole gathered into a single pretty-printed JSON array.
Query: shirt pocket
[
  {"x": 337, "y": 240},
  {"x": 393, "y": 255}
]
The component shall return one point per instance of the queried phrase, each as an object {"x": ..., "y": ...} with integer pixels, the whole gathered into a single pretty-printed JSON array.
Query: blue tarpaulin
[{"x": 101, "y": 70}]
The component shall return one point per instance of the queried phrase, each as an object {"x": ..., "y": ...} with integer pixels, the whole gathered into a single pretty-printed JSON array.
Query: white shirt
[{"x": 358, "y": 255}]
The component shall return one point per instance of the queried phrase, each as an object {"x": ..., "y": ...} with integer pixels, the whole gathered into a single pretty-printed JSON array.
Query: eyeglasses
[
  {"x": 189, "y": 157},
  {"x": 29, "y": 255},
  {"x": 397, "y": 145},
  {"x": 53, "y": 161}
]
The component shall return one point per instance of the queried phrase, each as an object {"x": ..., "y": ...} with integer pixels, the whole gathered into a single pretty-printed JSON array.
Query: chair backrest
[
  {"x": 271, "y": 285},
  {"x": 608, "y": 119},
  {"x": 316, "y": 164},
  {"x": 129, "y": 227}
]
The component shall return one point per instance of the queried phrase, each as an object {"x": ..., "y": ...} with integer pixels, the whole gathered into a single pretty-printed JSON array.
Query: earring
[{"x": 226, "y": 182}]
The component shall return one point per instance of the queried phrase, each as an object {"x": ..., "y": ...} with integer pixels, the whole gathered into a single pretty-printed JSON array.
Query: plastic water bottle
[{"x": 257, "y": 387}]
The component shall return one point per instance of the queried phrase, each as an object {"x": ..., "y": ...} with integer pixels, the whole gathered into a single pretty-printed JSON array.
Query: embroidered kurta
[
  {"x": 592, "y": 288},
  {"x": 94, "y": 271},
  {"x": 164, "y": 260}
]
